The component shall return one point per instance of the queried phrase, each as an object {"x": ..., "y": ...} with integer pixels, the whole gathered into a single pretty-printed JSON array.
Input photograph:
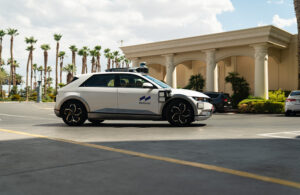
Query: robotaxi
[{"x": 128, "y": 94}]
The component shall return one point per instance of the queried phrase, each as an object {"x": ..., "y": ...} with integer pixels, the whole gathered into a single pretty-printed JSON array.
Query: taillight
[
  {"x": 290, "y": 100},
  {"x": 225, "y": 100}
]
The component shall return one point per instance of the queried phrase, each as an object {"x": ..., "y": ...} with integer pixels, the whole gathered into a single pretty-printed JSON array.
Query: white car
[
  {"x": 292, "y": 103},
  {"x": 128, "y": 96}
]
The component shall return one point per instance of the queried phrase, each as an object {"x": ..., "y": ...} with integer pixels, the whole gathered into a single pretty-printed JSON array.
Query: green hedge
[{"x": 260, "y": 106}]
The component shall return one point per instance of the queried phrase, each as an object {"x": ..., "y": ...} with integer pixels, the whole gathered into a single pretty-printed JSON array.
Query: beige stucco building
[{"x": 265, "y": 56}]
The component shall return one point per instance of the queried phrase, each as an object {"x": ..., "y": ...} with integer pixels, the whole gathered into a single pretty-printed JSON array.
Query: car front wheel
[
  {"x": 74, "y": 113},
  {"x": 180, "y": 113}
]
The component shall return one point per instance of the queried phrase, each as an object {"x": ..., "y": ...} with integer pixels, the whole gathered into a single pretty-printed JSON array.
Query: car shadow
[{"x": 120, "y": 125}]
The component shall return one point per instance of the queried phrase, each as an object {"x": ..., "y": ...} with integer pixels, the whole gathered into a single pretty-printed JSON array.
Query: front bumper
[
  {"x": 203, "y": 115},
  {"x": 57, "y": 113}
]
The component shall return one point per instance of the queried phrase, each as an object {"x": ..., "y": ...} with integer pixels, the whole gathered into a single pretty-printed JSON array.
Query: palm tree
[
  {"x": 49, "y": 70},
  {"x": 30, "y": 49},
  {"x": 45, "y": 47},
  {"x": 61, "y": 56},
  {"x": 106, "y": 54},
  {"x": 41, "y": 69},
  {"x": 12, "y": 32},
  {"x": 112, "y": 59},
  {"x": 57, "y": 38},
  {"x": 69, "y": 69},
  {"x": 31, "y": 41},
  {"x": 2, "y": 34},
  {"x": 34, "y": 67},
  {"x": 122, "y": 58},
  {"x": 74, "y": 49},
  {"x": 98, "y": 54},
  {"x": 84, "y": 53},
  {"x": 116, "y": 55},
  {"x": 297, "y": 11},
  {"x": 127, "y": 62},
  {"x": 93, "y": 53}
]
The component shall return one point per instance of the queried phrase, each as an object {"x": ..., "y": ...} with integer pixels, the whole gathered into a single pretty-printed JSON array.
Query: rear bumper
[
  {"x": 57, "y": 113},
  {"x": 292, "y": 107}
]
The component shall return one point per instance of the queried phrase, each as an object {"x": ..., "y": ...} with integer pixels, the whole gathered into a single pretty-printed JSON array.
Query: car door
[
  {"x": 133, "y": 98},
  {"x": 100, "y": 93}
]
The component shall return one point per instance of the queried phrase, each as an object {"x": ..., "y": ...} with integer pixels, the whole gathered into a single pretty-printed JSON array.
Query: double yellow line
[{"x": 166, "y": 159}]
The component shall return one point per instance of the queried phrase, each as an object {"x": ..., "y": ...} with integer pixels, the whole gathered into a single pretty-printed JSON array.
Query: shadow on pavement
[{"x": 119, "y": 125}]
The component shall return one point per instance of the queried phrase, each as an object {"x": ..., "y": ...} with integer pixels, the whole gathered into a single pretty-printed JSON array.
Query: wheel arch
[
  {"x": 75, "y": 98},
  {"x": 178, "y": 97}
]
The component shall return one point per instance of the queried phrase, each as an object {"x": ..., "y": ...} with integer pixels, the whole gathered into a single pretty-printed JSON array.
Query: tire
[
  {"x": 73, "y": 113},
  {"x": 95, "y": 121},
  {"x": 288, "y": 113},
  {"x": 180, "y": 113}
]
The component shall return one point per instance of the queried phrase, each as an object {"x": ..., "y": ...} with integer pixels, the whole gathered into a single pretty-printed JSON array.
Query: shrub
[
  {"x": 15, "y": 97},
  {"x": 277, "y": 96},
  {"x": 196, "y": 82},
  {"x": 240, "y": 87},
  {"x": 260, "y": 106}
]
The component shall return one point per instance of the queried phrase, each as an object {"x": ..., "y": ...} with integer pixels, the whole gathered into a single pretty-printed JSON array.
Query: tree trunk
[
  {"x": 34, "y": 85},
  {"x": 27, "y": 71},
  {"x": 73, "y": 62},
  {"x": 56, "y": 67},
  {"x": 82, "y": 68},
  {"x": 45, "y": 72},
  {"x": 108, "y": 63},
  {"x": 297, "y": 11},
  {"x": 98, "y": 64},
  {"x": 93, "y": 65},
  {"x": 31, "y": 71},
  {"x": 0, "y": 51},
  {"x": 61, "y": 68},
  {"x": 85, "y": 64},
  {"x": 12, "y": 62},
  {"x": 69, "y": 77}
]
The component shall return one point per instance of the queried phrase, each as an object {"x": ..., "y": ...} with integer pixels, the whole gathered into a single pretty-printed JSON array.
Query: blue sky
[
  {"x": 250, "y": 13},
  {"x": 106, "y": 22}
]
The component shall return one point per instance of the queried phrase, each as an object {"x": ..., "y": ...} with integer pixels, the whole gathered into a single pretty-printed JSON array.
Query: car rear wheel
[
  {"x": 180, "y": 113},
  {"x": 74, "y": 113},
  {"x": 95, "y": 121},
  {"x": 288, "y": 113}
]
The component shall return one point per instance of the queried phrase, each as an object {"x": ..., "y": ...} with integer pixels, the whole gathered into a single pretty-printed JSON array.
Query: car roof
[{"x": 97, "y": 73}]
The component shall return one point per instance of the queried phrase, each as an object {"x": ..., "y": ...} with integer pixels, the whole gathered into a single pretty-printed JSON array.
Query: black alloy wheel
[{"x": 180, "y": 113}]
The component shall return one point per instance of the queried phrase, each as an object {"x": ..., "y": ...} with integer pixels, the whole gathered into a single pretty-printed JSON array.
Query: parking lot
[{"x": 227, "y": 154}]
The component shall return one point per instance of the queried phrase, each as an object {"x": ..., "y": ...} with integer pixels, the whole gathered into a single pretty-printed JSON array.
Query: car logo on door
[{"x": 145, "y": 100}]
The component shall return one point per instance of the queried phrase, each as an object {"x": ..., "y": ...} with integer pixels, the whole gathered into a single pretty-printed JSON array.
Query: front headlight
[{"x": 201, "y": 99}]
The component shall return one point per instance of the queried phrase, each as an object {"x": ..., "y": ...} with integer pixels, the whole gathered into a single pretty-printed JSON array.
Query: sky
[{"x": 107, "y": 22}]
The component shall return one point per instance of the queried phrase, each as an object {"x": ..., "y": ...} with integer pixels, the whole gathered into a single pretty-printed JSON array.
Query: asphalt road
[{"x": 227, "y": 154}]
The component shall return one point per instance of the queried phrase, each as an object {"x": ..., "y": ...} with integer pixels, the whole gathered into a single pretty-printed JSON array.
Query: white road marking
[
  {"x": 21, "y": 116},
  {"x": 282, "y": 134}
]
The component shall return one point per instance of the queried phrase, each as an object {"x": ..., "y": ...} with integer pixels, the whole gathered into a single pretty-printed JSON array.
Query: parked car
[
  {"x": 221, "y": 101},
  {"x": 126, "y": 94},
  {"x": 292, "y": 103}
]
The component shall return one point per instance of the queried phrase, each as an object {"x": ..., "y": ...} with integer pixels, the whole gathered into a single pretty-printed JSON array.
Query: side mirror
[{"x": 147, "y": 85}]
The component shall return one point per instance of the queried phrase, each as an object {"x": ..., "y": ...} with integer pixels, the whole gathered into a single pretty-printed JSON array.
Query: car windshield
[
  {"x": 160, "y": 83},
  {"x": 295, "y": 93}
]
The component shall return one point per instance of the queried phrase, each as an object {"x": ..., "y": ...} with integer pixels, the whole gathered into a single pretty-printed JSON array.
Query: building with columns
[{"x": 265, "y": 56}]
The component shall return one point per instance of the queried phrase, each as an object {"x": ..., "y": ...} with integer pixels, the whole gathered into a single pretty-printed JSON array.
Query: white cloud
[
  {"x": 281, "y": 22},
  {"x": 106, "y": 22}
]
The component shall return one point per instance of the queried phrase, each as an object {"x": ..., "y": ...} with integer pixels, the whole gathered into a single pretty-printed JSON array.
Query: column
[
  {"x": 210, "y": 70},
  {"x": 216, "y": 79},
  {"x": 261, "y": 77},
  {"x": 171, "y": 70},
  {"x": 135, "y": 62}
]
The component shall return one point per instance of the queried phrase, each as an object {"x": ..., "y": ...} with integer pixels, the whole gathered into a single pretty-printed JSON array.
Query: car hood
[{"x": 187, "y": 92}]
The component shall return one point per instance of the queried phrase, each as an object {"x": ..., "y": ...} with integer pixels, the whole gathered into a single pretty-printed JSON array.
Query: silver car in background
[{"x": 292, "y": 103}]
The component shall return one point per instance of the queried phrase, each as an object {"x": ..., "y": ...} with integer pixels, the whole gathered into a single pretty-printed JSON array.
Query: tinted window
[
  {"x": 104, "y": 80},
  {"x": 295, "y": 93},
  {"x": 131, "y": 81},
  {"x": 212, "y": 95}
]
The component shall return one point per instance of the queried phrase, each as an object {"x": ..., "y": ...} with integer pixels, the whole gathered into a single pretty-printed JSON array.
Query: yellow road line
[{"x": 166, "y": 159}]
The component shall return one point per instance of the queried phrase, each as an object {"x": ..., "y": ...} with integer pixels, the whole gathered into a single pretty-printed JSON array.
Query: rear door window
[{"x": 100, "y": 80}]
